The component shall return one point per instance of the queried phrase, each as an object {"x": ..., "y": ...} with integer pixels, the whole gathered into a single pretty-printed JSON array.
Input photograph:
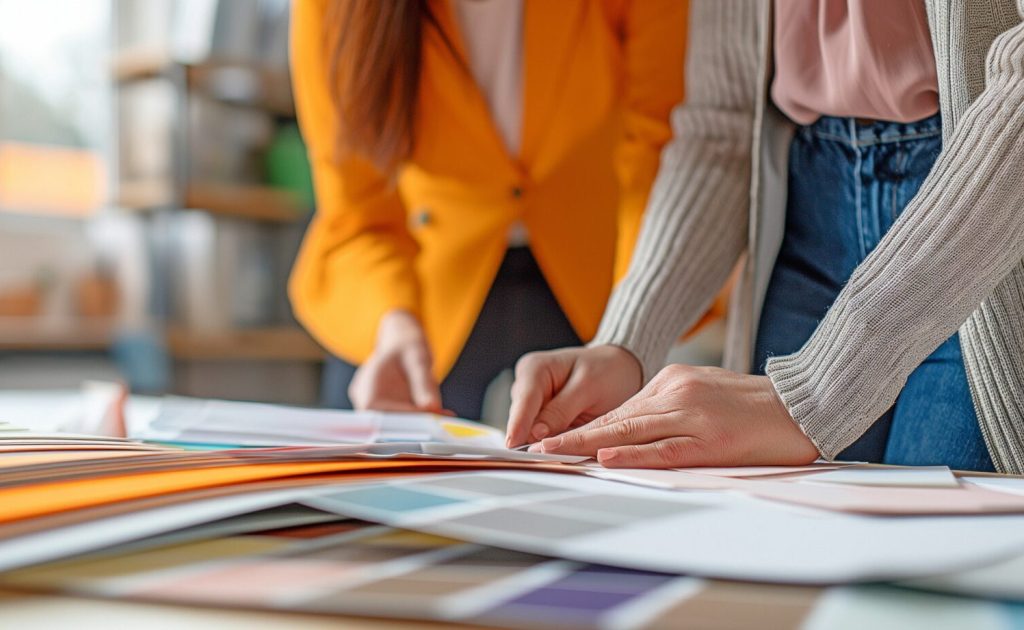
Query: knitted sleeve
[
  {"x": 953, "y": 244},
  {"x": 695, "y": 225}
]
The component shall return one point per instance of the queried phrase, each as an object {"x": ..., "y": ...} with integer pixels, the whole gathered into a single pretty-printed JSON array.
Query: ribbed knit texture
[
  {"x": 954, "y": 245},
  {"x": 695, "y": 225},
  {"x": 993, "y": 337},
  {"x": 993, "y": 347}
]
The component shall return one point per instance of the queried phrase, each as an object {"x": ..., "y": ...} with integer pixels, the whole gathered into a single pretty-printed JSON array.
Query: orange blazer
[{"x": 600, "y": 78}]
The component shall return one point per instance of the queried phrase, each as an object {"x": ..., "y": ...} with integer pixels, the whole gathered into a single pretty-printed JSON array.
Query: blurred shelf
[
  {"x": 28, "y": 334},
  {"x": 245, "y": 201},
  {"x": 249, "y": 201},
  {"x": 243, "y": 84},
  {"x": 240, "y": 83},
  {"x": 143, "y": 195},
  {"x": 284, "y": 343},
  {"x": 138, "y": 65}
]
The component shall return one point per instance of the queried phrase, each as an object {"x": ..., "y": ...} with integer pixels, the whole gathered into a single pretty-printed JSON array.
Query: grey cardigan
[{"x": 952, "y": 260}]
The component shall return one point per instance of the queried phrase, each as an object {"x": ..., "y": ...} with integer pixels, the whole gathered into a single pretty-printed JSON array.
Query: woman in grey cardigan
[{"x": 856, "y": 265}]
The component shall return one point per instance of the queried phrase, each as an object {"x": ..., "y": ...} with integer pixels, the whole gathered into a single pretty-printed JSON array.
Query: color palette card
[
  {"x": 353, "y": 568},
  {"x": 593, "y": 520},
  {"x": 243, "y": 424},
  {"x": 889, "y": 491},
  {"x": 888, "y": 476},
  {"x": 55, "y": 506},
  {"x": 15, "y": 439}
]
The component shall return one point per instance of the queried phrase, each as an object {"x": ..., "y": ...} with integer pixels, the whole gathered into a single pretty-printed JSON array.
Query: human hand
[
  {"x": 559, "y": 389},
  {"x": 691, "y": 416},
  {"x": 397, "y": 375}
]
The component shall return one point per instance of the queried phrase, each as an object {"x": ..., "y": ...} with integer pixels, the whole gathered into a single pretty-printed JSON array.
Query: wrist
[
  {"x": 625, "y": 360},
  {"x": 398, "y": 327},
  {"x": 781, "y": 408},
  {"x": 636, "y": 368}
]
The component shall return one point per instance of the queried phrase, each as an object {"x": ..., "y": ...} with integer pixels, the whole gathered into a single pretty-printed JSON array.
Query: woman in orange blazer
[{"x": 481, "y": 168}]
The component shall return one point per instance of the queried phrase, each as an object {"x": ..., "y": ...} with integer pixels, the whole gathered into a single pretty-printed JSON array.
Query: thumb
[
  {"x": 423, "y": 388},
  {"x": 538, "y": 377},
  {"x": 564, "y": 408}
]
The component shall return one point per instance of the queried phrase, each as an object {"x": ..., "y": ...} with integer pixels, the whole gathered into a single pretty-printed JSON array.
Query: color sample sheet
[
  {"x": 889, "y": 491},
  {"x": 353, "y": 568},
  {"x": 16, "y": 439},
  {"x": 889, "y": 477},
  {"x": 57, "y": 508},
  {"x": 718, "y": 534},
  {"x": 241, "y": 424},
  {"x": 1011, "y": 485}
]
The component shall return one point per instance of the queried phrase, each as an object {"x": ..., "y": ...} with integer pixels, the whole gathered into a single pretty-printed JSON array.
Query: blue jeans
[{"x": 848, "y": 182}]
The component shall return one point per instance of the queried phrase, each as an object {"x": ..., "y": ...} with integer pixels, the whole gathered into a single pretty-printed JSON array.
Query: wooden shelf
[
  {"x": 139, "y": 65},
  {"x": 27, "y": 334},
  {"x": 144, "y": 195},
  {"x": 251, "y": 201},
  {"x": 244, "y": 85},
  {"x": 241, "y": 83},
  {"x": 285, "y": 343},
  {"x": 244, "y": 201}
]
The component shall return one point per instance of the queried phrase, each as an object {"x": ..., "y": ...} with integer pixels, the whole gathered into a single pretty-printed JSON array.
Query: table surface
[
  {"x": 21, "y": 610},
  {"x": 872, "y": 606}
]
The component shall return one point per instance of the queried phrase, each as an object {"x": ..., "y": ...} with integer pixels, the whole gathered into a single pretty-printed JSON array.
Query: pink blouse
[{"x": 857, "y": 58}]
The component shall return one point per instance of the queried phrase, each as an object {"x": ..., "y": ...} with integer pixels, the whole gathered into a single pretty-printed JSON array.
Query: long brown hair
[{"x": 375, "y": 48}]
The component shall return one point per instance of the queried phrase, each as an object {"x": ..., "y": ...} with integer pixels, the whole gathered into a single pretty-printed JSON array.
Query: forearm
[
  {"x": 695, "y": 224},
  {"x": 693, "y": 231},
  {"x": 959, "y": 236}
]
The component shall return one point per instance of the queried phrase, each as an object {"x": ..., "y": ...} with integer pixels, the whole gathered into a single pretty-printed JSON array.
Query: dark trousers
[{"x": 520, "y": 315}]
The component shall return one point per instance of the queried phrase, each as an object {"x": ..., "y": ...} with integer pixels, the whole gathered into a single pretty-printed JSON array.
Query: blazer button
[
  {"x": 421, "y": 218},
  {"x": 517, "y": 192}
]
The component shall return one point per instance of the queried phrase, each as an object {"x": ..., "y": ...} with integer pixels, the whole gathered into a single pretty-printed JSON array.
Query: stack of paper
[
  {"x": 878, "y": 490},
  {"x": 825, "y": 523},
  {"x": 14, "y": 439},
  {"x": 297, "y": 560},
  {"x": 710, "y": 534},
  {"x": 111, "y": 497},
  {"x": 220, "y": 424}
]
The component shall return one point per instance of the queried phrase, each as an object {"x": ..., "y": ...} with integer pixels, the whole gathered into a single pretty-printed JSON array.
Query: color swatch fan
[{"x": 223, "y": 424}]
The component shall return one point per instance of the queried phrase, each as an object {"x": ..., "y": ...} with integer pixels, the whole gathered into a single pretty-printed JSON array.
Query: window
[{"x": 55, "y": 112}]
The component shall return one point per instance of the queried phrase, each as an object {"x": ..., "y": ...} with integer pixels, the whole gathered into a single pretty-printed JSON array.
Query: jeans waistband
[{"x": 856, "y": 132}]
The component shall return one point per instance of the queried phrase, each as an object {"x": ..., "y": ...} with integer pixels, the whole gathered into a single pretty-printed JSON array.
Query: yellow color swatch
[{"x": 464, "y": 431}]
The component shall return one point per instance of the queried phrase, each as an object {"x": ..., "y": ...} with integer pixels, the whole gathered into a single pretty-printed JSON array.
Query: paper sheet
[
  {"x": 39, "y": 500},
  {"x": 71, "y": 486},
  {"x": 278, "y": 517},
  {"x": 888, "y": 476},
  {"x": 766, "y": 471},
  {"x": 239, "y": 424},
  {"x": 879, "y": 500},
  {"x": 717, "y": 535},
  {"x": 1011, "y": 485},
  {"x": 879, "y": 607},
  {"x": 1003, "y": 579},
  {"x": 377, "y": 571},
  {"x": 52, "y": 544}
]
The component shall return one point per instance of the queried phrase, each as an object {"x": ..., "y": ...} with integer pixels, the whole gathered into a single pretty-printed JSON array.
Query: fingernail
[
  {"x": 535, "y": 448},
  {"x": 606, "y": 454},
  {"x": 551, "y": 444},
  {"x": 540, "y": 431}
]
